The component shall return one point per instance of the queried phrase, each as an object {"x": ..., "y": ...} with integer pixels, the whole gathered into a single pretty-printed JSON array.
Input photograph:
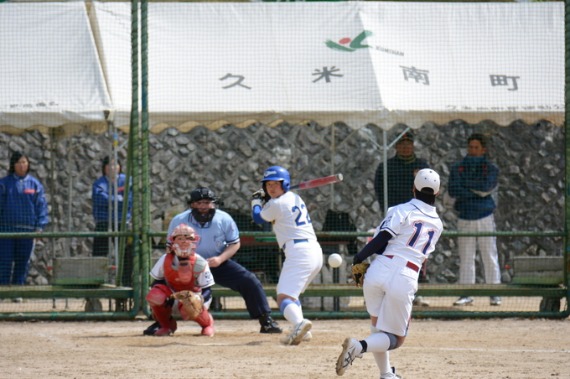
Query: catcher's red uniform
[{"x": 174, "y": 274}]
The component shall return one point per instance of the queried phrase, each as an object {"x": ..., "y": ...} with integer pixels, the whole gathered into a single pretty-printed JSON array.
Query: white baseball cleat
[
  {"x": 351, "y": 349},
  {"x": 298, "y": 333},
  {"x": 390, "y": 375}
]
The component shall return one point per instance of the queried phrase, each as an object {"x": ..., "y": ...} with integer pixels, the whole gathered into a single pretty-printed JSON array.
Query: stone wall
[{"x": 231, "y": 161}]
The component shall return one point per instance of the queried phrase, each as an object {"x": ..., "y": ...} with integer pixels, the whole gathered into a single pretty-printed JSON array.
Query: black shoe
[
  {"x": 151, "y": 329},
  {"x": 268, "y": 325}
]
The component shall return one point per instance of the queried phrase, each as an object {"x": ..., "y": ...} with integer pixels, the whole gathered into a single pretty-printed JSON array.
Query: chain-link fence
[{"x": 502, "y": 197}]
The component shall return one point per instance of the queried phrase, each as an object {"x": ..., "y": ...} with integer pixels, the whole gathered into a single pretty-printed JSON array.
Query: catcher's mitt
[
  {"x": 192, "y": 303},
  {"x": 358, "y": 271}
]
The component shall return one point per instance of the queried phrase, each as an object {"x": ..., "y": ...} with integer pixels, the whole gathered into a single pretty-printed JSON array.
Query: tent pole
[
  {"x": 567, "y": 153},
  {"x": 115, "y": 227},
  {"x": 333, "y": 153},
  {"x": 53, "y": 150},
  {"x": 71, "y": 178},
  {"x": 385, "y": 173},
  {"x": 69, "y": 196}
]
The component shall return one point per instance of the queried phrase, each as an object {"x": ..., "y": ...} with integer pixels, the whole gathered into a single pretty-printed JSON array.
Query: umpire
[{"x": 219, "y": 242}]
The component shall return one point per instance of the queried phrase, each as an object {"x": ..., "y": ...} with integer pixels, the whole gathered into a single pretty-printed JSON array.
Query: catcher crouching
[{"x": 182, "y": 278}]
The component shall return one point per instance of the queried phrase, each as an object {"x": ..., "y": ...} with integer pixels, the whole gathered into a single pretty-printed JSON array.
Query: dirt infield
[{"x": 475, "y": 349}]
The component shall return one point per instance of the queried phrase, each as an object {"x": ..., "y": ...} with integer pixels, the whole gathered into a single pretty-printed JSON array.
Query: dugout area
[{"x": 224, "y": 138}]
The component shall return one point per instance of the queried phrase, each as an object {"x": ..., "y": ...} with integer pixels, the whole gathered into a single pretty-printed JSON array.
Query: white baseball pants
[{"x": 487, "y": 247}]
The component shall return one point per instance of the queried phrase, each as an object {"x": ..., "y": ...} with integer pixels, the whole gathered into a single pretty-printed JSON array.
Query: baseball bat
[{"x": 314, "y": 183}]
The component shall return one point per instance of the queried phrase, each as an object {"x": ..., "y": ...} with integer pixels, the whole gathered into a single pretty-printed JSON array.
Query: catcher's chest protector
[{"x": 183, "y": 277}]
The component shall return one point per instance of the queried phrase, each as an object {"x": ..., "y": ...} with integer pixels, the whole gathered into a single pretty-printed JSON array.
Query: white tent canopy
[
  {"x": 217, "y": 63},
  {"x": 355, "y": 62},
  {"x": 51, "y": 74}
]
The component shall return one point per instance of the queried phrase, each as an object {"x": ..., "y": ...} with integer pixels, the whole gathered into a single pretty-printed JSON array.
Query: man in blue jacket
[{"x": 472, "y": 182}]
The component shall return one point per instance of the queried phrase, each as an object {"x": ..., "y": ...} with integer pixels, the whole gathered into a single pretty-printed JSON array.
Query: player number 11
[{"x": 418, "y": 227}]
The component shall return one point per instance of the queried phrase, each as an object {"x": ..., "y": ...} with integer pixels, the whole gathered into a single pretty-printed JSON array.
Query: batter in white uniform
[
  {"x": 403, "y": 241},
  {"x": 296, "y": 236}
]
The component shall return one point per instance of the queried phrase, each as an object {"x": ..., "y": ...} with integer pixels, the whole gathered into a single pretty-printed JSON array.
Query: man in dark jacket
[{"x": 402, "y": 169}]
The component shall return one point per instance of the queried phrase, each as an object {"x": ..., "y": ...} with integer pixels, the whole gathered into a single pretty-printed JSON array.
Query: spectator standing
[
  {"x": 108, "y": 195},
  {"x": 403, "y": 241},
  {"x": 402, "y": 169},
  {"x": 472, "y": 182},
  {"x": 23, "y": 208},
  {"x": 219, "y": 242},
  {"x": 295, "y": 234}
]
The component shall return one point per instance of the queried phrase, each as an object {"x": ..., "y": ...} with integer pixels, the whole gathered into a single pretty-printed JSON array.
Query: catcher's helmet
[
  {"x": 279, "y": 174},
  {"x": 201, "y": 193},
  {"x": 190, "y": 233},
  {"x": 184, "y": 230}
]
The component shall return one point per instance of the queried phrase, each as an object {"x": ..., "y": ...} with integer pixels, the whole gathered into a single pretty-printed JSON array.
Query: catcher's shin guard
[
  {"x": 162, "y": 315},
  {"x": 157, "y": 300},
  {"x": 206, "y": 321}
]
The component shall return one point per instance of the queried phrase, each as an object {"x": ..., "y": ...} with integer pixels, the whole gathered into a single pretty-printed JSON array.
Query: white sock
[
  {"x": 383, "y": 362},
  {"x": 293, "y": 313},
  {"x": 377, "y": 343}
]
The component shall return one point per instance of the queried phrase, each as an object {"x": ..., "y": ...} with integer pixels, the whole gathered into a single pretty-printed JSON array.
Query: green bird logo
[{"x": 348, "y": 44}]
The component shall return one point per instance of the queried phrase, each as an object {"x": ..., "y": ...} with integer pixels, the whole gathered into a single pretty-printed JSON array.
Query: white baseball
[{"x": 335, "y": 260}]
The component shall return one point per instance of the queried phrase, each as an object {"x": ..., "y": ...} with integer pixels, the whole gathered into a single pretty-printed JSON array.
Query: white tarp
[
  {"x": 217, "y": 63},
  {"x": 471, "y": 61},
  {"x": 356, "y": 62},
  {"x": 50, "y": 73}
]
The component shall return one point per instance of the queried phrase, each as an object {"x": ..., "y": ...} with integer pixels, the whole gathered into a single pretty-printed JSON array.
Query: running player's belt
[
  {"x": 295, "y": 241},
  {"x": 408, "y": 264}
]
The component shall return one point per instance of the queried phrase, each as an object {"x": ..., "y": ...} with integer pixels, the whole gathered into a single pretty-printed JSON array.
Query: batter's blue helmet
[{"x": 279, "y": 174}]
